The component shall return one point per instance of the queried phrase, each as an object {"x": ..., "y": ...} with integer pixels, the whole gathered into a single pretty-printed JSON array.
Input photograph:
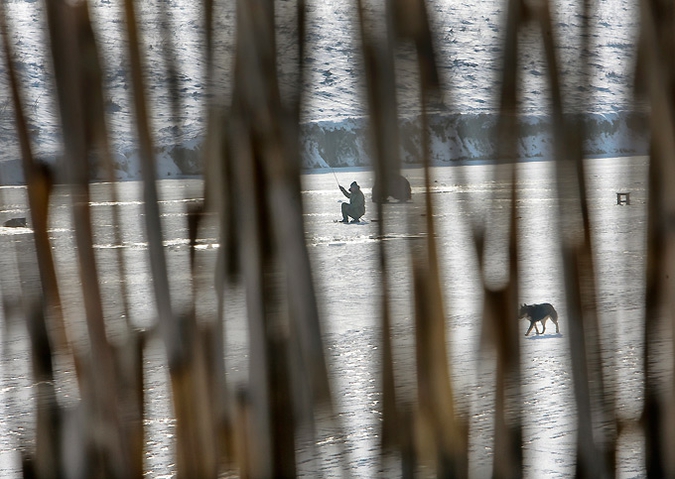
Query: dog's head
[{"x": 522, "y": 312}]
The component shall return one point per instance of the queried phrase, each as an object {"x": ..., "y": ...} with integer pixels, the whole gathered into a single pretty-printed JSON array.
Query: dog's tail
[{"x": 554, "y": 314}]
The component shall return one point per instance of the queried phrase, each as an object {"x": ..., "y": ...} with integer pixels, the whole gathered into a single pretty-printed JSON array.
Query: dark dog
[
  {"x": 539, "y": 313},
  {"x": 398, "y": 188}
]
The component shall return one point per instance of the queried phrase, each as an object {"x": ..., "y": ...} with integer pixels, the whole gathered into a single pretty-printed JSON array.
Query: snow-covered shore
[{"x": 454, "y": 138}]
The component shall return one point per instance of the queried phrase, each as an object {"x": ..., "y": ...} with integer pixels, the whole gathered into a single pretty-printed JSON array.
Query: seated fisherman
[{"x": 356, "y": 207}]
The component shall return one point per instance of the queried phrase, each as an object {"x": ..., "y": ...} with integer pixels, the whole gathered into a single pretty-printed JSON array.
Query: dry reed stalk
[
  {"x": 199, "y": 385},
  {"x": 196, "y": 434},
  {"x": 499, "y": 317},
  {"x": 196, "y": 451},
  {"x": 78, "y": 80},
  {"x": 266, "y": 238},
  {"x": 436, "y": 435},
  {"x": 46, "y": 459},
  {"x": 39, "y": 182},
  {"x": 656, "y": 76},
  {"x": 438, "y": 422},
  {"x": 597, "y": 433},
  {"x": 217, "y": 200},
  {"x": 380, "y": 81},
  {"x": 501, "y": 305},
  {"x": 216, "y": 188},
  {"x": 168, "y": 324}
]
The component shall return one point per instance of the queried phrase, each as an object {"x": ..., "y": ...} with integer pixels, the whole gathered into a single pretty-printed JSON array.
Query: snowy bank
[
  {"x": 346, "y": 143},
  {"x": 470, "y": 137}
]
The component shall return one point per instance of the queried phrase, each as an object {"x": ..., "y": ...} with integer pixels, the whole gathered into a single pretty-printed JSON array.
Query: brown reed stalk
[
  {"x": 501, "y": 305},
  {"x": 261, "y": 168},
  {"x": 381, "y": 95},
  {"x": 438, "y": 420},
  {"x": 597, "y": 435},
  {"x": 167, "y": 322},
  {"x": 78, "y": 81},
  {"x": 46, "y": 459},
  {"x": 656, "y": 76},
  {"x": 187, "y": 353},
  {"x": 216, "y": 201},
  {"x": 438, "y": 423},
  {"x": 440, "y": 438},
  {"x": 499, "y": 315},
  {"x": 39, "y": 181}
]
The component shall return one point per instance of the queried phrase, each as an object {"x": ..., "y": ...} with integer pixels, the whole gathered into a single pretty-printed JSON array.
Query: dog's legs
[
  {"x": 543, "y": 324},
  {"x": 530, "y": 328},
  {"x": 554, "y": 318},
  {"x": 536, "y": 328}
]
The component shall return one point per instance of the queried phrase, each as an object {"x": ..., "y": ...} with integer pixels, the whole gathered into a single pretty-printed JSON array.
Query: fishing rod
[{"x": 336, "y": 178}]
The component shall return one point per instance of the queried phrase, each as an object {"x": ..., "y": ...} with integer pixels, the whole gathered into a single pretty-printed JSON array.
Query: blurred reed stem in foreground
[{"x": 252, "y": 166}]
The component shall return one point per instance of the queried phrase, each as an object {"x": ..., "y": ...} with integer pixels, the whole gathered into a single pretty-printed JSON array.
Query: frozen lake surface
[{"x": 345, "y": 265}]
